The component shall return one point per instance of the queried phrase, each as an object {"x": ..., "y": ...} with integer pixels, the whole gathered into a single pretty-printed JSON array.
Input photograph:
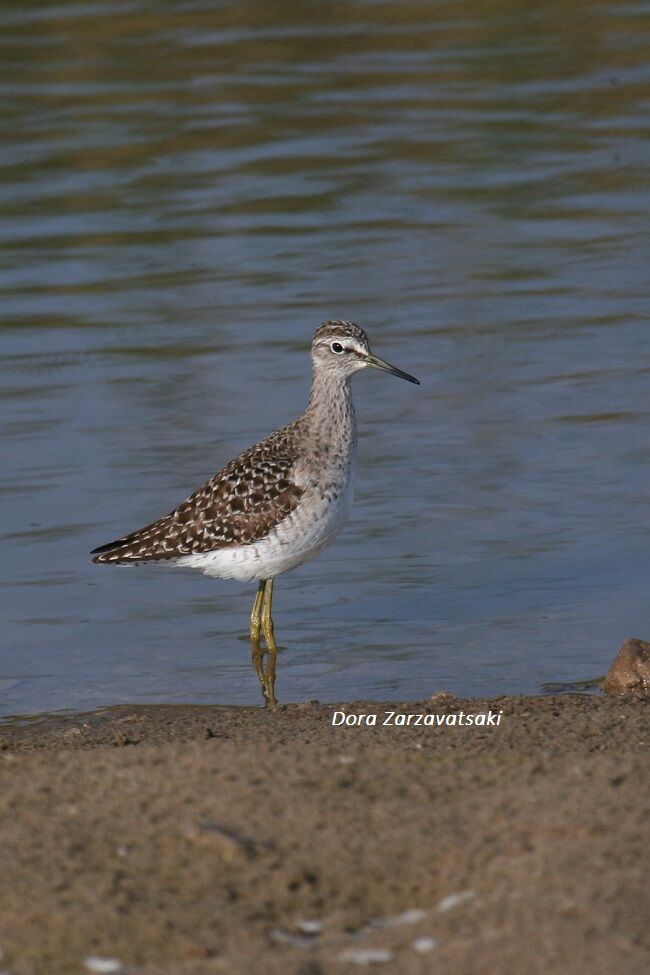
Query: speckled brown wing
[{"x": 237, "y": 506}]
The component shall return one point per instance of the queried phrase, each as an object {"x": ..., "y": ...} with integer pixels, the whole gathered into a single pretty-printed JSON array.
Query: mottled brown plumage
[{"x": 237, "y": 506}]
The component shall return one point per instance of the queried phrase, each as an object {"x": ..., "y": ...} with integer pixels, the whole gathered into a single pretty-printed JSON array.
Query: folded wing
[{"x": 238, "y": 506}]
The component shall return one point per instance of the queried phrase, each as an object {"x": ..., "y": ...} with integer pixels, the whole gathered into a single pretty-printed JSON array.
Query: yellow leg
[
  {"x": 267, "y": 616},
  {"x": 261, "y": 621},
  {"x": 256, "y": 614},
  {"x": 269, "y": 637}
]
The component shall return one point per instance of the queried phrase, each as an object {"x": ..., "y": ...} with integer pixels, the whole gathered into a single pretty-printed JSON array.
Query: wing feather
[{"x": 237, "y": 506}]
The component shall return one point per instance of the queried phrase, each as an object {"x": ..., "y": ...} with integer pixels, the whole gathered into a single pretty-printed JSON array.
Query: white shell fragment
[
  {"x": 296, "y": 940},
  {"x": 310, "y": 927},
  {"x": 414, "y": 916},
  {"x": 423, "y": 945},
  {"x": 453, "y": 900},
  {"x": 102, "y": 966},
  {"x": 366, "y": 956}
]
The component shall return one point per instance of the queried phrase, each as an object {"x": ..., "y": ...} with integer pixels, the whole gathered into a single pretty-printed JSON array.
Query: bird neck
[{"x": 330, "y": 415}]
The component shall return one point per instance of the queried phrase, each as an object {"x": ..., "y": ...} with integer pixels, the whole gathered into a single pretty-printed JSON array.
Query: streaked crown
[{"x": 332, "y": 330}]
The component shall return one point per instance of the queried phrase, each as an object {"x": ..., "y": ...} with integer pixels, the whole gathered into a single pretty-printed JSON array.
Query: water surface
[{"x": 187, "y": 190}]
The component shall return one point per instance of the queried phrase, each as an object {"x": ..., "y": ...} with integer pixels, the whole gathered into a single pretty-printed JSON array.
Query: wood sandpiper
[{"x": 278, "y": 503}]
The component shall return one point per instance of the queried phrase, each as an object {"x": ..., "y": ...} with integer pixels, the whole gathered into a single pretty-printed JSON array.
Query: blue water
[{"x": 187, "y": 191}]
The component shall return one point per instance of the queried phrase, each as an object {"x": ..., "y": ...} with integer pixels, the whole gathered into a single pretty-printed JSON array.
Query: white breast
[{"x": 315, "y": 522}]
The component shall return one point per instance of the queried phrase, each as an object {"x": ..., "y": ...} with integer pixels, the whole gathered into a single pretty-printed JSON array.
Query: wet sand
[{"x": 186, "y": 840}]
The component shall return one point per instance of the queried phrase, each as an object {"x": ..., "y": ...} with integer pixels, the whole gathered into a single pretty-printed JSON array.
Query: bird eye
[{"x": 336, "y": 347}]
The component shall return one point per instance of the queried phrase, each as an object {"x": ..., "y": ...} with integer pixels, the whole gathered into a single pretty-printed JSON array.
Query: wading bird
[{"x": 277, "y": 504}]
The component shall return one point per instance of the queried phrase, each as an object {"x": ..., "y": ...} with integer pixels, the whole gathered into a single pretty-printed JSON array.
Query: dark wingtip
[{"x": 101, "y": 550}]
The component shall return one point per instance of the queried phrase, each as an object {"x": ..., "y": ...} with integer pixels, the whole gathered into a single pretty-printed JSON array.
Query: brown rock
[{"x": 630, "y": 670}]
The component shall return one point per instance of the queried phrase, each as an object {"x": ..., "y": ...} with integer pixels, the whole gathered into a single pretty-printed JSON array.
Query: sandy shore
[{"x": 185, "y": 840}]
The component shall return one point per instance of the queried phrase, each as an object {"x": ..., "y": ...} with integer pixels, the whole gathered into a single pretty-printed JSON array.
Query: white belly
[{"x": 308, "y": 529}]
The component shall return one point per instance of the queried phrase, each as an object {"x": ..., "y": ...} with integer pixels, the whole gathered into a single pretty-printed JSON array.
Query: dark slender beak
[{"x": 377, "y": 363}]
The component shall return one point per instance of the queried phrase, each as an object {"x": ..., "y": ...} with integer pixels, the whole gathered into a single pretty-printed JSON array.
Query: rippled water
[{"x": 187, "y": 190}]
